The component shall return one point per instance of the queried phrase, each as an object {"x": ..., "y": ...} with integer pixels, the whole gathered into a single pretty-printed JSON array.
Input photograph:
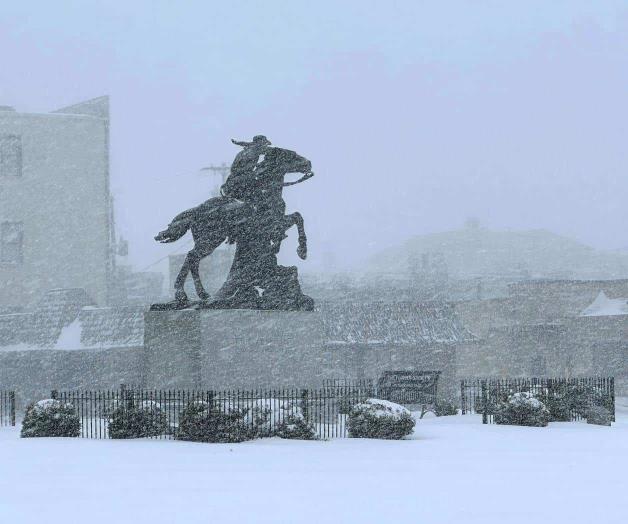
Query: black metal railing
[
  {"x": 415, "y": 389},
  {"x": 325, "y": 409},
  {"x": 367, "y": 383},
  {"x": 7, "y": 408},
  {"x": 484, "y": 396}
]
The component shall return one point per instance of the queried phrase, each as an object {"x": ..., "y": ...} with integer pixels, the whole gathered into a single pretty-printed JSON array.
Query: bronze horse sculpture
[{"x": 257, "y": 225}]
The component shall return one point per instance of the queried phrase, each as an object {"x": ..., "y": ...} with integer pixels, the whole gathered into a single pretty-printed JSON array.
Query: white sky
[{"x": 416, "y": 115}]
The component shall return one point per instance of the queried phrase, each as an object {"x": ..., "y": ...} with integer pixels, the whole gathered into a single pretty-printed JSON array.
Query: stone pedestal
[
  {"x": 238, "y": 348},
  {"x": 172, "y": 345},
  {"x": 249, "y": 349}
]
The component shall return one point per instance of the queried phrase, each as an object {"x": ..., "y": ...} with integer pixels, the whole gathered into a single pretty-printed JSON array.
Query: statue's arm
[{"x": 302, "y": 179}]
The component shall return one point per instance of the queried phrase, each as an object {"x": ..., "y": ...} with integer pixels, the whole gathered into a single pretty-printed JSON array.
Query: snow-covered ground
[{"x": 453, "y": 470}]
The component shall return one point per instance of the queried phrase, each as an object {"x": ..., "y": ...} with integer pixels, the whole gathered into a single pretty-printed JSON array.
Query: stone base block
[
  {"x": 248, "y": 349},
  {"x": 228, "y": 349}
]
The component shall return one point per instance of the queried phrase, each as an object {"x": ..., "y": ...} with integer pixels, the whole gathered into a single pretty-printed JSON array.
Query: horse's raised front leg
[{"x": 196, "y": 255}]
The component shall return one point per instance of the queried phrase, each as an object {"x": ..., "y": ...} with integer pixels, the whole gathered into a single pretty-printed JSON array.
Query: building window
[
  {"x": 10, "y": 155},
  {"x": 11, "y": 242}
]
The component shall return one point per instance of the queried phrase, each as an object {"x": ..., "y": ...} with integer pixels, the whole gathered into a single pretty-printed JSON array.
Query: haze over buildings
[
  {"x": 415, "y": 116},
  {"x": 478, "y": 252},
  {"x": 464, "y": 217}
]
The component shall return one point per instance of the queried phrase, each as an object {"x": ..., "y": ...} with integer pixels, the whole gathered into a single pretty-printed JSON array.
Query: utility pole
[{"x": 222, "y": 170}]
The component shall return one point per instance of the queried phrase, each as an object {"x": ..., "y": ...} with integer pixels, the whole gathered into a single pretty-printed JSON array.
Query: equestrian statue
[{"x": 250, "y": 213}]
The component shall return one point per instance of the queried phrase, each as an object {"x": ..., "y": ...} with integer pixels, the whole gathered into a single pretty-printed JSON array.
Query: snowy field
[{"x": 454, "y": 469}]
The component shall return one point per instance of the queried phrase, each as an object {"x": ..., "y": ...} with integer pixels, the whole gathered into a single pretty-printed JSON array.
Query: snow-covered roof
[
  {"x": 604, "y": 306},
  {"x": 392, "y": 323},
  {"x": 56, "y": 309},
  {"x": 112, "y": 327},
  {"x": 66, "y": 319}
]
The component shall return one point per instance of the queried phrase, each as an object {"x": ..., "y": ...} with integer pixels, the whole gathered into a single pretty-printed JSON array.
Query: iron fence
[
  {"x": 330, "y": 383},
  {"x": 325, "y": 409},
  {"x": 7, "y": 408},
  {"x": 415, "y": 389},
  {"x": 483, "y": 396}
]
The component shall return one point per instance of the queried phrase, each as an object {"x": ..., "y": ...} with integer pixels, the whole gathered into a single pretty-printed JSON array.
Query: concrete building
[
  {"x": 536, "y": 302},
  {"x": 560, "y": 328},
  {"x": 55, "y": 205}
]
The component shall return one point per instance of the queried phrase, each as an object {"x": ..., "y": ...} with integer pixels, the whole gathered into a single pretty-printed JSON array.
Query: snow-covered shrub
[
  {"x": 491, "y": 403},
  {"x": 597, "y": 397},
  {"x": 282, "y": 418},
  {"x": 375, "y": 418},
  {"x": 296, "y": 428},
  {"x": 138, "y": 420},
  {"x": 346, "y": 402},
  {"x": 568, "y": 399},
  {"x": 522, "y": 409},
  {"x": 263, "y": 415},
  {"x": 204, "y": 422},
  {"x": 51, "y": 418},
  {"x": 559, "y": 408},
  {"x": 599, "y": 415},
  {"x": 192, "y": 421},
  {"x": 293, "y": 424},
  {"x": 257, "y": 418},
  {"x": 444, "y": 408}
]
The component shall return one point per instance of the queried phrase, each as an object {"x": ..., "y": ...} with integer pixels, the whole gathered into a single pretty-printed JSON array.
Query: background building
[
  {"x": 55, "y": 205},
  {"x": 555, "y": 328},
  {"x": 476, "y": 252}
]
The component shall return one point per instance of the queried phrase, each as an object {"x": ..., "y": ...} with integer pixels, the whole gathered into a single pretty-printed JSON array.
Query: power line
[{"x": 174, "y": 252}]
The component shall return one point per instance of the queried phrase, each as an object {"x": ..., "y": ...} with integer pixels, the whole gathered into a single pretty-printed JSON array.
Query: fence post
[
  {"x": 612, "y": 392},
  {"x": 484, "y": 403},
  {"x": 463, "y": 400},
  {"x": 304, "y": 406},
  {"x": 128, "y": 397},
  {"x": 12, "y": 408}
]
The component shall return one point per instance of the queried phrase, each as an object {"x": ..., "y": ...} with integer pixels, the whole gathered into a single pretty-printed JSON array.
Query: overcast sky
[{"x": 415, "y": 115}]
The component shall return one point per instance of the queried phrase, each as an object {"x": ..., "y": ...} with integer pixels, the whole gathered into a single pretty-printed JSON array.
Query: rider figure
[
  {"x": 242, "y": 182},
  {"x": 245, "y": 183}
]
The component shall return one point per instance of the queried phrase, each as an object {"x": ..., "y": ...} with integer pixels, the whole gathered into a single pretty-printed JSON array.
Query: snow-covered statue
[{"x": 250, "y": 213}]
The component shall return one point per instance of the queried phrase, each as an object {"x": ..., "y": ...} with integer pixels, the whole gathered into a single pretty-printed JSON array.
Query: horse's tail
[{"x": 177, "y": 228}]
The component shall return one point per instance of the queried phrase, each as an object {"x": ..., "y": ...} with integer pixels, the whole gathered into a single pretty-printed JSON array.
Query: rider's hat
[
  {"x": 261, "y": 140},
  {"x": 258, "y": 140}
]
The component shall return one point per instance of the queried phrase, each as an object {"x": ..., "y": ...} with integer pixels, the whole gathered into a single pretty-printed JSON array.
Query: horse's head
[{"x": 284, "y": 161}]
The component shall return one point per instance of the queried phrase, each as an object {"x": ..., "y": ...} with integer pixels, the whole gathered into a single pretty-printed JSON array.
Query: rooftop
[
  {"x": 67, "y": 319},
  {"x": 392, "y": 323}
]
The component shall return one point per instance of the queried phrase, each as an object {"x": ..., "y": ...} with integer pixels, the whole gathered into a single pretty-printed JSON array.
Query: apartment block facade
[{"x": 55, "y": 203}]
